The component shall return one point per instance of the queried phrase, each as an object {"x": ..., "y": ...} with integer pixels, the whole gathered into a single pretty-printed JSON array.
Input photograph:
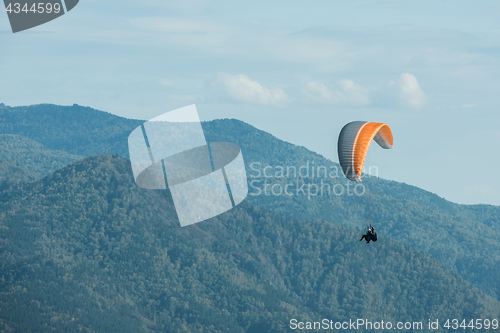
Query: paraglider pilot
[{"x": 370, "y": 235}]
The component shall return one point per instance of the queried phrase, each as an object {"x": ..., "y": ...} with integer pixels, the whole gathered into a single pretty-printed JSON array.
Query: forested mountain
[
  {"x": 76, "y": 130},
  {"x": 33, "y": 155},
  {"x": 85, "y": 249},
  {"x": 463, "y": 238},
  {"x": 14, "y": 173}
]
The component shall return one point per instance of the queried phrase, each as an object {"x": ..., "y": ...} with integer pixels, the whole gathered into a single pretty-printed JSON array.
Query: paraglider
[
  {"x": 353, "y": 144},
  {"x": 370, "y": 235}
]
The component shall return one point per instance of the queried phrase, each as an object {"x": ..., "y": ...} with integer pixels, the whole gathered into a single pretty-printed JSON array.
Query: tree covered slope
[
  {"x": 464, "y": 238},
  {"x": 86, "y": 249}
]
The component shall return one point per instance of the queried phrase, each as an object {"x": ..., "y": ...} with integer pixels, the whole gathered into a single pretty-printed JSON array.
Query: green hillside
[
  {"x": 75, "y": 129},
  {"x": 85, "y": 249},
  {"x": 33, "y": 155},
  {"x": 12, "y": 173},
  {"x": 463, "y": 238}
]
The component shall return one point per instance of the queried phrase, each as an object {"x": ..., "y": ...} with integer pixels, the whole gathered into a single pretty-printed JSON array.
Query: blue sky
[{"x": 297, "y": 69}]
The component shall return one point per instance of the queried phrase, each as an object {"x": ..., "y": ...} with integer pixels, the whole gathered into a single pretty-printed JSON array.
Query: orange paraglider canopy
[{"x": 354, "y": 142}]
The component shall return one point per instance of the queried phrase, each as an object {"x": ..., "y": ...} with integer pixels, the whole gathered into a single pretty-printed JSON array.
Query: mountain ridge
[
  {"x": 461, "y": 237},
  {"x": 86, "y": 249}
]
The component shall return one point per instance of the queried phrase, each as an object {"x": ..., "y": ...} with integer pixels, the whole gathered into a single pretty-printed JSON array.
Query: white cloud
[
  {"x": 240, "y": 87},
  {"x": 349, "y": 93},
  {"x": 321, "y": 93},
  {"x": 410, "y": 92},
  {"x": 353, "y": 93}
]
